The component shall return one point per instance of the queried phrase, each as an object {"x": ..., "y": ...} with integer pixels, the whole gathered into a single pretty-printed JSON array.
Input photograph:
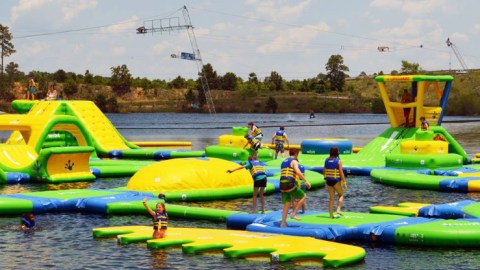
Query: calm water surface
[{"x": 64, "y": 241}]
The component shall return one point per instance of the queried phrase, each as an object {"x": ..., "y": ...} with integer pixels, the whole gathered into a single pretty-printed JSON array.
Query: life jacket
[
  {"x": 297, "y": 178},
  {"x": 254, "y": 142},
  {"x": 28, "y": 223},
  {"x": 331, "y": 169},
  {"x": 288, "y": 177},
  {"x": 257, "y": 168},
  {"x": 279, "y": 136},
  {"x": 161, "y": 221},
  {"x": 256, "y": 131}
]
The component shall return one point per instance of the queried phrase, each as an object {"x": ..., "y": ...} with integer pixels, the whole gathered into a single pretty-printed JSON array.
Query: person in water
[
  {"x": 160, "y": 219},
  {"x": 28, "y": 221},
  {"x": 279, "y": 138},
  {"x": 424, "y": 124},
  {"x": 257, "y": 170},
  {"x": 335, "y": 180},
  {"x": 288, "y": 186}
]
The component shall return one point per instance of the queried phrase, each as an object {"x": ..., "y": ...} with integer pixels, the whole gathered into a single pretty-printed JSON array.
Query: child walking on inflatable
[
  {"x": 257, "y": 170},
  {"x": 160, "y": 219}
]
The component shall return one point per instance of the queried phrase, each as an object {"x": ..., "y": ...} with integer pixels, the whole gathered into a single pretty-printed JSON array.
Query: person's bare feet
[
  {"x": 283, "y": 225},
  {"x": 295, "y": 217}
]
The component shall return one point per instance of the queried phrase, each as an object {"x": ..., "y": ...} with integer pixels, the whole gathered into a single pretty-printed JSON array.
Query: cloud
[
  {"x": 128, "y": 25},
  {"x": 119, "y": 51},
  {"x": 293, "y": 38},
  {"x": 160, "y": 48},
  {"x": 415, "y": 7},
  {"x": 25, "y": 6},
  {"x": 71, "y": 9},
  {"x": 35, "y": 48},
  {"x": 275, "y": 10}
]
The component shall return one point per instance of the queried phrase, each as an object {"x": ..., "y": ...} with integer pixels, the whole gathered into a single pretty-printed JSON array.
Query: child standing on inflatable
[
  {"x": 279, "y": 138},
  {"x": 255, "y": 131},
  {"x": 160, "y": 219},
  {"x": 288, "y": 186},
  {"x": 257, "y": 170},
  {"x": 28, "y": 221},
  {"x": 31, "y": 88},
  {"x": 335, "y": 179}
]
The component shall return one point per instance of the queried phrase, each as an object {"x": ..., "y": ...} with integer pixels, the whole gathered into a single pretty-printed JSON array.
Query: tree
[
  {"x": 274, "y": 82},
  {"x": 121, "y": 80},
  {"x": 178, "y": 83},
  {"x": 5, "y": 44},
  {"x": 336, "y": 72},
  {"x": 211, "y": 76},
  {"x": 410, "y": 68},
  {"x": 229, "y": 81},
  {"x": 271, "y": 105},
  {"x": 60, "y": 76},
  {"x": 88, "y": 79},
  {"x": 252, "y": 78}
]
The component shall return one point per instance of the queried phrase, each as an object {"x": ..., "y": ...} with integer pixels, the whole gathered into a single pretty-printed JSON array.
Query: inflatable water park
[{"x": 73, "y": 141}]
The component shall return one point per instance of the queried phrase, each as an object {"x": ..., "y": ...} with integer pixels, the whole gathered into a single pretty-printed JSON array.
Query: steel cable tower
[
  {"x": 173, "y": 24},
  {"x": 463, "y": 64}
]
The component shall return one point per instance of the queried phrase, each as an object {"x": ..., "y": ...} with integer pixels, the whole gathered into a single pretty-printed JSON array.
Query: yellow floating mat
[
  {"x": 408, "y": 209},
  {"x": 240, "y": 244}
]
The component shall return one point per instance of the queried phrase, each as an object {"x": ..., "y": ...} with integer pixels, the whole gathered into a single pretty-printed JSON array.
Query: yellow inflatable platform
[{"x": 240, "y": 244}]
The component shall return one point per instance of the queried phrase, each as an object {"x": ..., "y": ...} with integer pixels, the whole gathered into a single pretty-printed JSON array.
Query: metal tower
[
  {"x": 173, "y": 24},
  {"x": 463, "y": 64}
]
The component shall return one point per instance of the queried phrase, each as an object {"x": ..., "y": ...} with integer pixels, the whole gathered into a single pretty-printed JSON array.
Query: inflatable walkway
[{"x": 240, "y": 244}]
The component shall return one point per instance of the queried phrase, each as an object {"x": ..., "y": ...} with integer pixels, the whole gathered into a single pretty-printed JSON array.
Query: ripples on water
[{"x": 64, "y": 241}]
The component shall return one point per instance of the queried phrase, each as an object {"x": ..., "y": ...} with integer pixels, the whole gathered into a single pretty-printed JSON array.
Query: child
[
  {"x": 255, "y": 131},
  {"x": 279, "y": 138},
  {"x": 255, "y": 144},
  {"x": 160, "y": 219},
  {"x": 424, "y": 125},
  {"x": 259, "y": 180},
  {"x": 28, "y": 221},
  {"x": 333, "y": 173}
]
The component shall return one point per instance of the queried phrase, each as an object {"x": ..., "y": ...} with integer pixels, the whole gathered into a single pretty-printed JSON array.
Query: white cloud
[
  {"x": 127, "y": 25},
  {"x": 415, "y": 7},
  {"x": 25, "y": 6},
  {"x": 222, "y": 26},
  {"x": 72, "y": 8},
  {"x": 293, "y": 38},
  {"x": 160, "y": 48},
  {"x": 35, "y": 49},
  {"x": 476, "y": 28},
  {"x": 118, "y": 51},
  {"x": 276, "y": 10}
]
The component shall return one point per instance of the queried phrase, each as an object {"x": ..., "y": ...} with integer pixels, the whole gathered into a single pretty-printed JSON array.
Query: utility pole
[{"x": 173, "y": 24}]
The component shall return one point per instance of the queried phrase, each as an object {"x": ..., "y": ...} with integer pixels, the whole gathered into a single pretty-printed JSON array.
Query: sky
[{"x": 294, "y": 38}]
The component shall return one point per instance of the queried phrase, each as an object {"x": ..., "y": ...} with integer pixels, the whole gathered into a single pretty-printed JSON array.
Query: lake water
[{"x": 64, "y": 241}]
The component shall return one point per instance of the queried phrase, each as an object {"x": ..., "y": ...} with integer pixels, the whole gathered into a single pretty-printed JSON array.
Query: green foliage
[
  {"x": 336, "y": 72},
  {"x": 60, "y": 76},
  {"x": 6, "y": 46},
  {"x": 211, "y": 76},
  {"x": 378, "y": 106},
  {"x": 70, "y": 87},
  {"x": 468, "y": 104},
  {"x": 229, "y": 81},
  {"x": 88, "y": 78},
  {"x": 178, "y": 83},
  {"x": 410, "y": 68},
  {"x": 274, "y": 82},
  {"x": 271, "y": 105},
  {"x": 190, "y": 96},
  {"x": 121, "y": 80}
]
